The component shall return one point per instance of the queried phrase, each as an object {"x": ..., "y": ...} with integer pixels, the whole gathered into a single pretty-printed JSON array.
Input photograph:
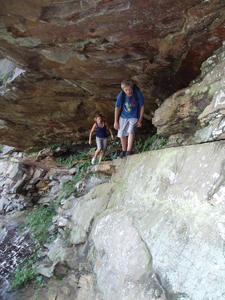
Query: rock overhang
[{"x": 76, "y": 53}]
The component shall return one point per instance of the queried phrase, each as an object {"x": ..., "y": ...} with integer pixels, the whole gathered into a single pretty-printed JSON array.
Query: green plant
[
  {"x": 69, "y": 187},
  {"x": 151, "y": 143},
  {"x": 66, "y": 145},
  {"x": 38, "y": 221},
  {"x": 82, "y": 168},
  {"x": 161, "y": 142},
  {"x": 1, "y": 148},
  {"x": 110, "y": 156},
  {"x": 33, "y": 154},
  {"x": 4, "y": 79},
  {"x": 25, "y": 272},
  {"x": 69, "y": 160},
  {"x": 138, "y": 145}
]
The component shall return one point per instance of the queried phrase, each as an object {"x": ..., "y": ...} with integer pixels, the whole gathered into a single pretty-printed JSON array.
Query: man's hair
[{"x": 126, "y": 83}]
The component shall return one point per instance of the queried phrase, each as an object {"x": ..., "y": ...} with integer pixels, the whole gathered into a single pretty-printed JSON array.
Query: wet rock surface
[{"x": 15, "y": 246}]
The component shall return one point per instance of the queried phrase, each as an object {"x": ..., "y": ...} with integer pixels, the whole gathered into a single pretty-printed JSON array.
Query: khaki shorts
[
  {"x": 126, "y": 126},
  {"x": 101, "y": 143}
]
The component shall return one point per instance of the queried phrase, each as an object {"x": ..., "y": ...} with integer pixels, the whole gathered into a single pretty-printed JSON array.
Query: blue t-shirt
[{"x": 131, "y": 107}]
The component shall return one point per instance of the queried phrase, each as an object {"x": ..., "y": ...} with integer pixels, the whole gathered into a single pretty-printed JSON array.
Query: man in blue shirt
[{"x": 129, "y": 112}]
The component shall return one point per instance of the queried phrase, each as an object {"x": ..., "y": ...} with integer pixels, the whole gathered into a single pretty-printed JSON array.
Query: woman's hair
[
  {"x": 126, "y": 83},
  {"x": 98, "y": 115}
]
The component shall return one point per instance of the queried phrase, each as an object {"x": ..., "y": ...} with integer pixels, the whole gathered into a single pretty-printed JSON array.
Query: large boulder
[{"x": 196, "y": 114}]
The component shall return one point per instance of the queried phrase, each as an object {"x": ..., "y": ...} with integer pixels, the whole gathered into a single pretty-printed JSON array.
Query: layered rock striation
[{"x": 75, "y": 53}]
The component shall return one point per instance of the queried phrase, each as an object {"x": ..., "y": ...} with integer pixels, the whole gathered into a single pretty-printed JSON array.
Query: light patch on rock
[{"x": 220, "y": 98}]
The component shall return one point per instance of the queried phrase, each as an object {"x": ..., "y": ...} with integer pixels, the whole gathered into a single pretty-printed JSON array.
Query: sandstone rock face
[
  {"x": 169, "y": 223},
  {"x": 75, "y": 53},
  {"x": 196, "y": 114},
  {"x": 156, "y": 230}
]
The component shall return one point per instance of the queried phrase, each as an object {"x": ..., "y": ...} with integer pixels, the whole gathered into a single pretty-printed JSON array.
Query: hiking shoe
[
  {"x": 122, "y": 154},
  {"x": 93, "y": 160},
  {"x": 128, "y": 153}
]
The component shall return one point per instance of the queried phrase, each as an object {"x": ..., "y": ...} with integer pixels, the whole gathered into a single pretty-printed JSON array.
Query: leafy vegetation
[
  {"x": 66, "y": 145},
  {"x": 110, "y": 156},
  {"x": 26, "y": 272},
  {"x": 69, "y": 187},
  {"x": 151, "y": 143},
  {"x": 33, "y": 154},
  {"x": 69, "y": 160},
  {"x": 38, "y": 221}
]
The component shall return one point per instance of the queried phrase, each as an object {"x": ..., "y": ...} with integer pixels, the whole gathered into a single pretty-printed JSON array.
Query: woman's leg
[
  {"x": 97, "y": 153},
  {"x": 101, "y": 156},
  {"x": 104, "y": 147}
]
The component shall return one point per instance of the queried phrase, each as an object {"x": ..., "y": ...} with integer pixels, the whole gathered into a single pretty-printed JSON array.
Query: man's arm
[
  {"x": 116, "y": 117},
  {"x": 141, "y": 105},
  {"x": 139, "y": 123},
  {"x": 118, "y": 108}
]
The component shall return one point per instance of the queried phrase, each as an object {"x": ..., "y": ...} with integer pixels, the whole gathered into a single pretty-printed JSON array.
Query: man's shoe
[
  {"x": 122, "y": 154},
  {"x": 93, "y": 160},
  {"x": 128, "y": 153}
]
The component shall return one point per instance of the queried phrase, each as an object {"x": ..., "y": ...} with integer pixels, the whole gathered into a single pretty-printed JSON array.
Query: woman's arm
[{"x": 91, "y": 132}]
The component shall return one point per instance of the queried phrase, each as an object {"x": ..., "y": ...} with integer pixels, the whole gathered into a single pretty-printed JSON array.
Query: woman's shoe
[{"x": 93, "y": 160}]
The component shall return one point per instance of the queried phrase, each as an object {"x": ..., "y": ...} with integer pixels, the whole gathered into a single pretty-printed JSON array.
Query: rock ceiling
[{"x": 75, "y": 53}]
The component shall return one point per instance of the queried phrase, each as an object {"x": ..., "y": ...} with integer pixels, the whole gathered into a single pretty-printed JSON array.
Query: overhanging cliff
[{"x": 75, "y": 53}]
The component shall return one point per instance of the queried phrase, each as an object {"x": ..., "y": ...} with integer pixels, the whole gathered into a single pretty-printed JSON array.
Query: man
[{"x": 129, "y": 112}]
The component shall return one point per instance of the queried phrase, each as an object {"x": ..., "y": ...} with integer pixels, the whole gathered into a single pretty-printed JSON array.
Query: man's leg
[
  {"x": 123, "y": 140},
  {"x": 130, "y": 142}
]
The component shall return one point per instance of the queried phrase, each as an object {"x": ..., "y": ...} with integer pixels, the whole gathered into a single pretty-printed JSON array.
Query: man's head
[{"x": 127, "y": 87}]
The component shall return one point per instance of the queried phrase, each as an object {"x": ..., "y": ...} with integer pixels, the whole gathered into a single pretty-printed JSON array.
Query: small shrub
[
  {"x": 26, "y": 272},
  {"x": 67, "y": 145},
  {"x": 33, "y": 155},
  {"x": 68, "y": 187},
  {"x": 69, "y": 160},
  {"x": 39, "y": 220},
  {"x": 110, "y": 156},
  {"x": 161, "y": 143},
  {"x": 138, "y": 146},
  {"x": 151, "y": 143}
]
